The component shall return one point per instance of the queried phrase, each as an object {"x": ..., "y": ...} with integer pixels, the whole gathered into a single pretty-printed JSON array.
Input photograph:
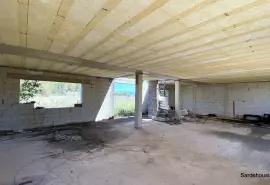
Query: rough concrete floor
[{"x": 115, "y": 153}]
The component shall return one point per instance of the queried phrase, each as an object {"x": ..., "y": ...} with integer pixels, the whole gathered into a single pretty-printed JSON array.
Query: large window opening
[{"x": 46, "y": 94}]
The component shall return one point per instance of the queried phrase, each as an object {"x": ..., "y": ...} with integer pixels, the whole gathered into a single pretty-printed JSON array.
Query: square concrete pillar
[
  {"x": 178, "y": 100},
  {"x": 138, "y": 100}
]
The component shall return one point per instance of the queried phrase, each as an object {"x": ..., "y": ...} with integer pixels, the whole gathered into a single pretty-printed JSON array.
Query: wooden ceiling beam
[
  {"x": 220, "y": 30},
  {"x": 100, "y": 15},
  {"x": 174, "y": 19},
  {"x": 205, "y": 53},
  {"x": 57, "y": 23},
  {"x": 146, "y": 62},
  {"x": 155, "y": 5},
  {"x": 240, "y": 58},
  {"x": 189, "y": 29},
  {"x": 232, "y": 73}
]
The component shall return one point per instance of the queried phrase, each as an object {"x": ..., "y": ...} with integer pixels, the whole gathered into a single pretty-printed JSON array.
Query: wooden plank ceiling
[{"x": 201, "y": 40}]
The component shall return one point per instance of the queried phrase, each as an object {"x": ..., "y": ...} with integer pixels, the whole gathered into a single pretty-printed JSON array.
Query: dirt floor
[{"x": 117, "y": 154}]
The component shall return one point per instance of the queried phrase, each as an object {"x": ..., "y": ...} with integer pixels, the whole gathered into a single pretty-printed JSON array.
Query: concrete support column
[
  {"x": 178, "y": 100},
  {"x": 138, "y": 100},
  {"x": 152, "y": 98}
]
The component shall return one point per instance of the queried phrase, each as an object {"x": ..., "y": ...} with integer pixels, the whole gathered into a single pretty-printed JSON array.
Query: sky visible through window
[{"x": 124, "y": 88}]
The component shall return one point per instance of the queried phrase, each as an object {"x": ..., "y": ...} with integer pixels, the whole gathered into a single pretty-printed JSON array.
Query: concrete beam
[
  {"x": 60, "y": 58},
  {"x": 20, "y": 73},
  {"x": 52, "y": 78},
  {"x": 160, "y": 76},
  {"x": 168, "y": 79},
  {"x": 138, "y": 100},
  {"x": 153, "y": 75},
  {"x": 124, "y": 81}
]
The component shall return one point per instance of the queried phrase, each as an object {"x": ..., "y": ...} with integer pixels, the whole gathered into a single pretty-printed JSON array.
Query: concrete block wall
[
  {"x": 210, "y": 99},
  {"x": 152, "y": 98},
  {"x": 249, "y": 98},
  {"x": 171, "y": 96},
  {"x": 187, "y": 99},
  {"x": 96, "y": 99}
]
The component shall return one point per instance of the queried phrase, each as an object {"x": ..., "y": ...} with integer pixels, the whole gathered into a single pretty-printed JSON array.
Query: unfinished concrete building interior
[{"x": 204, "y": 119}]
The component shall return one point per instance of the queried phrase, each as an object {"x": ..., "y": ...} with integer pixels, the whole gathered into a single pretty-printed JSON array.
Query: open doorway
[{"x": 124, "y": 97}]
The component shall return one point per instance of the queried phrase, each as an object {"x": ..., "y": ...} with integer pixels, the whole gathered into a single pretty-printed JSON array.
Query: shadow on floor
[
  {"x": 80, "y": 136},
  {"x": 254, "y": 140},
  {"x": 118, "y": 120},
  {"x": 72, "y": 142},
  {"x": 90, "y": 136},
  {"x": 104, "y": 132}
]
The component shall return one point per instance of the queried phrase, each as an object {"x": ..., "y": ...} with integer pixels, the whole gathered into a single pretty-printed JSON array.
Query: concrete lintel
[
  {"x": 48, "y": 78},
  {"x": 19, "y": 73}
]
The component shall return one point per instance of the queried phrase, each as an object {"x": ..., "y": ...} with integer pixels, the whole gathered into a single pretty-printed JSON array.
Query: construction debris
[{"x": 60, "y": 136}]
